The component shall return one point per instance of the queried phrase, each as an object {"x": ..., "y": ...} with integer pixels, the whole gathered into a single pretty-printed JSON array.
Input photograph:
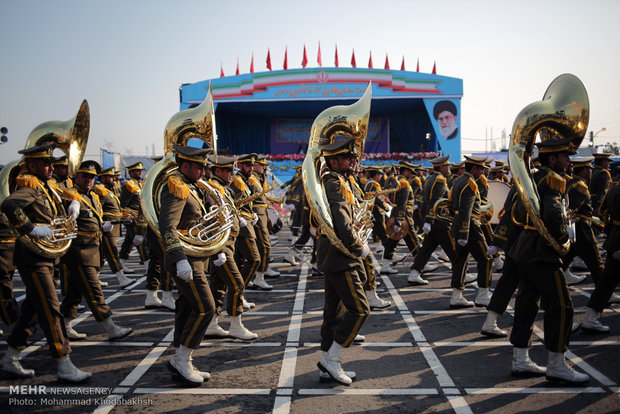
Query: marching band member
[
  {"x": 30, "y": 209},
  {"x": 436, "y": 230},
  {"x": 82, "y": 258},
  {"x": 61, "y": 172},
  {"x": 183, "y": 205},
  {"x": 9, "y": 309},
  {"x": 346, "y": 307},
  {"x": 112, "y": 213},
  {"x": 225, "y": 275},
  {"x": 466, "y": 229},
  {"x": 600, "y": 181},
  {"x": 541, "y": 279},
  {"x": 294, "y": 196},
  {"x": 134, "y": 231}
]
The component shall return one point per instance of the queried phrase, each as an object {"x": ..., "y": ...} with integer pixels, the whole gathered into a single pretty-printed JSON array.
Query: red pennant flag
[
  {"x": 252, "y": 64},
  {"x": 417, "y": 69},
  {"x": 434, "y": 68},
  {"x": 353, "y": 64},
  {"x": 304, "y": 61},
  {"x": 318, "y": 59},
  {"x": 370, "y": 61},
  {"x": 387, "y": 62},
  {"x": 402, "y": 65},
  {"x": 237, "y": 71},
  {"x": 285, "y": 66},
  {"x": 221, "y": 71},
  {"x": 336, "y": 57},
  {"x": 268, "y": 59}
]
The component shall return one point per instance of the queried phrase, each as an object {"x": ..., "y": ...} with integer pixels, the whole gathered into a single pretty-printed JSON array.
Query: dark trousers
[
  {"x": 84, "y": 283},
  {"x": 506, "y": 287},
  {"x": 41, "y": 305},
  {"x": 590, "y": 255},
  {"x": 227, "y": 279},
  {"x": 263, "y": 241},
  {"x": 371, "y": 275},
  {"x": 438, "y": 236},
  {"x": 544, "y": 283},
  {"x": 411, "y": 239},
  {"x": 128, "y": 244},
  {"x": 8, "y": 305},
  {"x": 109, "y": 252},
  {"x": 156, "y": 274},
  {"x": 606, "y": 285},
  {"x": 194, "y": 307},
  {"x": 247, "y": 257},
  {"x": 378, "y": 228},
  {"x": 346, "y": 307},
  {"x": 477, "y": 247}
]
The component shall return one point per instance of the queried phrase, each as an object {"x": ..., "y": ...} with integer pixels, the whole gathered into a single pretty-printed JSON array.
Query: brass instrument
[
  {"x": 128, "y": 215},
  {"x": 564, "y": 112},
  {"x": 71, "y": 137},
  {"x": 250, "y": 198},
  {"x": 340, "y": 120},
  {"x": 379, "y": 193},
  {"x": 208, "y": 236},
  {"x": 486, "y": 212},
  {"x": 396, "y": 235},
  {"x": 442, "y": 211}
]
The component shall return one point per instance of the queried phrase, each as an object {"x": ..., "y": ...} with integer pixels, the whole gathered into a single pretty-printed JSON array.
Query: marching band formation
[{"x": 200, "y": 223}]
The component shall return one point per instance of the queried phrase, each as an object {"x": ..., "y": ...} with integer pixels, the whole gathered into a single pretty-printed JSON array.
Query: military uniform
[
  {"x": 8, "y": 305},
  {"x": 599, "y": 183},
  {"x": 379, "y": 209},
  {"x": 111, "y": 207},
  {"x": 260, "y": 206},
  {"x": 294, "y": 195},
  {"x": 130, "y": 198},
  {"x": 434, "y": 189}
]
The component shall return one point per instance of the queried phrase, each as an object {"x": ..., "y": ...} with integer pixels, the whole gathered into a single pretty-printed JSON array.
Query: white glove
[
  {"x": 312, "y": 231},
  {"x": 107, "y": 226},
  {"x": 74, "y": 209},
  {"x": 426, "y": 228},
  {"x": 255, "y": 219},
  {"x": 397, "y": 226},
  {"x": 462, "y": 242},
  {"x": 492, "y": 250},
  {"x": 42, "y": 232},
  {"x": 571, "y": 232},
  {"x": 137, "y": 240},
  {"x": 221, "y": 259},
  {"x": 242, "y": 222},
  {"x": 365, "y": 250},
  {"x": 289, "y": 207},
  {"x": 415, "y": 207},
  {"x": 616, "y": 255},
  {"x": 184, "y": 270}
]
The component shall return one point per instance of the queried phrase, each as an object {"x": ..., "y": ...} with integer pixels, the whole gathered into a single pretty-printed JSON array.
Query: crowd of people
[{"x": 440, "y": 212}]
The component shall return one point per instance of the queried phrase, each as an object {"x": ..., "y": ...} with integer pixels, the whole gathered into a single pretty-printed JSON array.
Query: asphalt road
[{"x": 418, "y": 356}]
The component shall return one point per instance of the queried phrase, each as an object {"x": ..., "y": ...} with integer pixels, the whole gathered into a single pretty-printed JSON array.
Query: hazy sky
[{"x": 128, "y": 58}]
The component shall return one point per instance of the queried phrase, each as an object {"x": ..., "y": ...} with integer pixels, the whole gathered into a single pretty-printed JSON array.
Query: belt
[
  {"x": 12, "y": 240},
  {"x": 88, "y": 233},
  {"x": 582, "y": 216},
  {"x": 528, "y": 227}
]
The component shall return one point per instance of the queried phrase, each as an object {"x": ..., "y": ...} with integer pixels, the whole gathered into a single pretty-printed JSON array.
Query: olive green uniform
[
  {"x": 246, "y": 250},
  {"x": 599, "y": 184},
  {"x": 261, "y": 228},
  {"x": 378, "y": 212},
  {"x": 404, "y": 201},
  {"x": 8, "y": 305},
  {"x": 111, "y": 206},
  {"x": 130, "y": 198}
]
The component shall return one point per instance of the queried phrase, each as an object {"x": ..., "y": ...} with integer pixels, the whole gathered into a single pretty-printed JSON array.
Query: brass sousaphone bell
[
  {"x": 563, "y": 113},
  {"x": 71, "y": 137}
]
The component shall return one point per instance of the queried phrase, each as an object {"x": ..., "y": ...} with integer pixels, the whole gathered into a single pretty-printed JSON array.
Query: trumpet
[
  {"x": 249, "y": 199},
  {"x": 379, "y": 193}
]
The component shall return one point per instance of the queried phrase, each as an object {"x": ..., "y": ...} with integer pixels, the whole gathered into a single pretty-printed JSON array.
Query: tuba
[
  {"x": 350, "y": 121},
  {"x": 208, "y": 236},
  {"x": 71, "y": 137},
  {"x": 563, "y": 113}
]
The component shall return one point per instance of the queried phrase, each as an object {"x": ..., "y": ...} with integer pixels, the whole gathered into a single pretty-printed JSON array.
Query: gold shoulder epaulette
[
  {"x": 96, "y": 197},
  {"x": 363, "y": 180},
  {"x": 441, "y": 179},
  {"x": 582, "y": 188},
  {"x": 100, "y": 189},
  {"x": 131, "y": 186},
  {"x": 484, "y": 181},
  {"x": 238, "y": 183},
  {"x": 556, "y": 182},
  {"x": 607, "y": 173},
  {"x": 375, "y": 186},
  {"x": 345, "y": 191},
  {"x": 217, "y": 186},
  {"x": 472, "y": 185},
  {"x": 417, "y": 181},
  {"x": 71, "y": 194},
  {"x": 403, "y": 183},
  {"x": 69, "y": 182},
  {"x": 253, "y": 180},
  {"x": 52, "y": 183},
  {"x": 178, "y": 188},
  {"x": 27, "y": 180}
]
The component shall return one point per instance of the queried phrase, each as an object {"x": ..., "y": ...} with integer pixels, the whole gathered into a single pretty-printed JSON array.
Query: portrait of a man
[{"x": 446, "y": 115}]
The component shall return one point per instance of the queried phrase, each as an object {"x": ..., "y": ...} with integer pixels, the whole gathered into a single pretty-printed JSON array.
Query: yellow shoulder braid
[
  {"x": 100, "y": 189},
  {"x": 345, "y": 191},
  {"x": 472, "y": 185},
  {"x": 71, "y": 194},
  {"x": 582, "y": 188},
  {"x": 131, "y": 186},
  {"x": 238, "y": 183},
  {"x": 556, "y": 182},
  {"x": 27, "y": 180},
  {"x": 403, "y": 183},
  {"x": 417, "y": 181},
  {"x": 484, "y": 181},
  {"x": 441, "y": 179},
  {"x": 178, "y": 188}
]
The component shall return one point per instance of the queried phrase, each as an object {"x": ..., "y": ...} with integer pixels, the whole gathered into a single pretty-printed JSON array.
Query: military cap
[
  {"x": 61, "y": 161},
  {"x": 457, "y": 165},
  {"x": 42, "y": 151},
  {"x": 405, "y": 164},
  {"x": 108, "y": 171},
  {"x": 89, "y": 167},
  {"x": 580, "y": 162},
  {"x": 488, "y": 162},
  {"x": 472, "y": 159},
  {"x": 339, "y": 148},
  {"x": 197, "y": 155},
  {"x": 500, "y": 163},
  {"x": 136, "y": 166},
  {"x": 557, "y": 145},
  {"x": 247, "y": 158},
  {"x": 497, "y": 168},
  {"x": 373, "y": 169},
  {"x": 158, "y": 158},
  {"x": 602, "y": 155},
  {"x": 219, "y": 161},
  {"x": 444, "y": 106},
  {"x": 116, "y": 172},
  {"x": 263, "y": 160},
  {"x": 439, "y": 161}
]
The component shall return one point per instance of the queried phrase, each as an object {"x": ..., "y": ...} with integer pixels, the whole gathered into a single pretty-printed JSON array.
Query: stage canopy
[{"x": 272, "y": 112}]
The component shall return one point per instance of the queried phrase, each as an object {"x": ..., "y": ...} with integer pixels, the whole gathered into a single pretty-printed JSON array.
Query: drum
[{"x": 498, "y": 191}]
